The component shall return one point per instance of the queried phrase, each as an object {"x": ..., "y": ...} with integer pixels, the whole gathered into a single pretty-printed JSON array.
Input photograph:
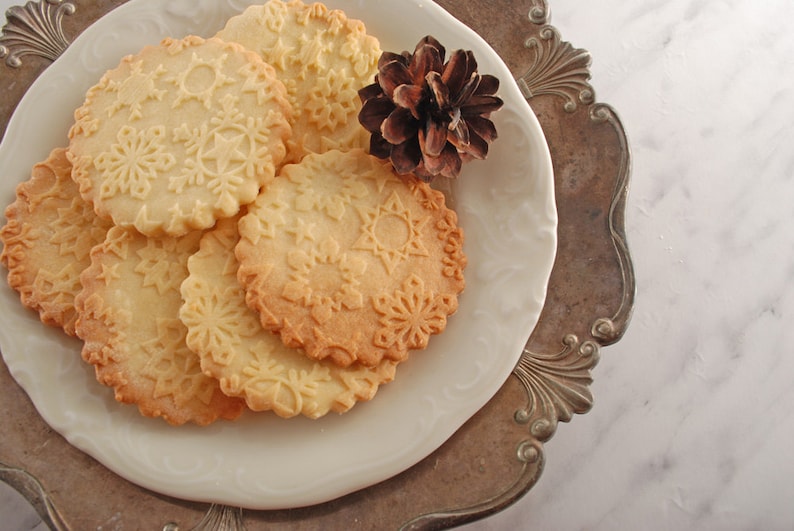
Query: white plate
[{"x": 506, "y": 206}]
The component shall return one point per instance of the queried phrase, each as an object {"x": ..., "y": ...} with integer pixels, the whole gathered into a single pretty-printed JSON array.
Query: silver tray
[{"x": 498, "y": 455}]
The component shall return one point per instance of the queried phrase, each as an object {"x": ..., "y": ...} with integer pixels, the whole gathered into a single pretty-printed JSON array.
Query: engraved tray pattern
[{"x": 499, "y": 454}]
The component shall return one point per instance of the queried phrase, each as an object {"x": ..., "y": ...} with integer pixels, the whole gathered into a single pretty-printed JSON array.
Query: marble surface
[{"x": 692, "y": 423}]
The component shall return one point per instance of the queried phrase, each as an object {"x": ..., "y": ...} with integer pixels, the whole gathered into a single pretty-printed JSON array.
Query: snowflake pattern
[
  {"x": 302, "y": 231},
  {"x": 332, "y": 100},
  {"x": 364, "y": 57},
  {"x": 218, "y": 319},
  {"x": 77, "y": 229},
  {"x": 222, "y": 154},
  {"x": 313, "y": 51},
  {"x": 269, "y": 216},
  {"x": 135, "y": 90},
  {"x": 411, "y": 315},
  {"x": 173, "y": 367},
  {"x": 133, "y": 162},
  {"x": 288, "y": 391},
  {"x": 113, "y": 320},
  {"x": 274, "y": 15},
  {"x": 279, "y": 55},
  {"x": 333, "y": 201},
  {"x": 324, "y": 280},
  {"x": 59, "y": 288},
  {"x": 162, "y": 264}
]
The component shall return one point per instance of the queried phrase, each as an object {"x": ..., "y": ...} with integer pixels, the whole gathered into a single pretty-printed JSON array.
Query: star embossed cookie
[
  {"x": 349, "y": 262},
  {"x": 47, "y": 238},
  {"x": 179, "y": 135},
  {"x": 129, "y": 322},
  {"x": 323, "y": 58},
  {"x": 250, "y": 361}
]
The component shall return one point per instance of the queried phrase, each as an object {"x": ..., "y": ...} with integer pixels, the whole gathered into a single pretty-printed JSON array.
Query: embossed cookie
[
  {"x": 179, "y": 135},
  {"x": 323, "y": 58},
  {"x": 349, "y": 262},
  {"x": 250, "y": 361},
  {"x": 47, "y": 238},
  {"x": 129, "y": 320}
]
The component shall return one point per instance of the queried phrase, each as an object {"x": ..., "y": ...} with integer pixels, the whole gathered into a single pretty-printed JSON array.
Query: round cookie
[
  {"x": 323, "y": 58},
  {"x": 129, "y": 320},
  {"x": 47, "y": 239},
  {"x": 251, "y": 362},
  {"x": 179, "y": 135},
  {"x": 348, "y": 261}
]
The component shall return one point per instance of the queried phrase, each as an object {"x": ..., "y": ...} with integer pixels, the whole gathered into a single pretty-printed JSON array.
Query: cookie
[
  {"x": 323, "y": 58},
  {"x": 129, "y": 321},
  {"x": 179, "y": 135},
  {"x": 349, "y": 262},
  {"x": 49, "y": 232},
  {"x": 250, "y": 361}
]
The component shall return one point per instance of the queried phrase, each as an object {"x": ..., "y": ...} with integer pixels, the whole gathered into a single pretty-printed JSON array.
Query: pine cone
[{"x": 429, "y": 116}]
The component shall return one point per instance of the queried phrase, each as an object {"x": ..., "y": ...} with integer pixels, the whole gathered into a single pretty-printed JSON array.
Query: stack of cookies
[{"x": 217, "y": 235}]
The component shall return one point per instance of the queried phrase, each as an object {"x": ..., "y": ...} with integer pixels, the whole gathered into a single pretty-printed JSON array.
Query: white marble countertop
[{"x": 691, "y": 427}]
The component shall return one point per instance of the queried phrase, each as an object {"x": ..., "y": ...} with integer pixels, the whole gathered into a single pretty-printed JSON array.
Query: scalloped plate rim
[{"x": 182, "y": 473}]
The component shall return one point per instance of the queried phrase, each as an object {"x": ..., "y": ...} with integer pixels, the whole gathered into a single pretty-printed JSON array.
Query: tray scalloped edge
[{"x": 556, "y": 383}]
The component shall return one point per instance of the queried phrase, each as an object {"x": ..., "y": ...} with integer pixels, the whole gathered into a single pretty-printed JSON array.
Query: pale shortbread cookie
[
  {"x": 129, "y": 320},
  {"x": 47, "y": 238},
  {"x": 345, "y": 259},
  {"x": 323, "y": 58},
  {"x": 179, "y": 135},
  {"x": 251, "y": 362}
]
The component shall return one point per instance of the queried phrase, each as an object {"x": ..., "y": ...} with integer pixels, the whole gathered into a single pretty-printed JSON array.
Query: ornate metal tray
[{"x": 495, "y": 458}]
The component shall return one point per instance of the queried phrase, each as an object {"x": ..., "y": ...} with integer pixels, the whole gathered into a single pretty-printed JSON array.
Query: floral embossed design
[
  {"x": 162, "y": 264},
  {"x": 136, "y": 159},
  {"x": 391, "y": 233},
  {"x": 219, "y": 153},
  {"x": 200, "y": 80},
  {"x": 411, "y": 315},
  {"x": 332, "y": 100},
  {"x": 173, "y": 367},
  {"x": 135, "y": 90},
  {"x": 324, "y": 279}
]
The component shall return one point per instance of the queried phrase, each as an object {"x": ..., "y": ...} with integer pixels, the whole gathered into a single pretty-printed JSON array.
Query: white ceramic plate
[{"x": 506, "y": 206}]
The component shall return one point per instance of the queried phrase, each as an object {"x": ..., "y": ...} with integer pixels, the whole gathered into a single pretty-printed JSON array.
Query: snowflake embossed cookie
[
  {"x": 350, "y": 262},
  {"x": 323, "y": 57},
  {"x": 179, "y": 135}
]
